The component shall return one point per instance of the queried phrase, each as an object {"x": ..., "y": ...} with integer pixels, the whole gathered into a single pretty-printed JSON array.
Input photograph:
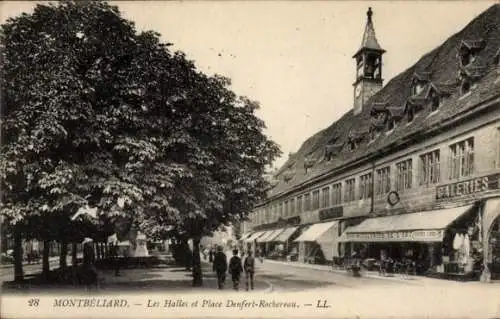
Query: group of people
[{"x": 235, "y": 268}]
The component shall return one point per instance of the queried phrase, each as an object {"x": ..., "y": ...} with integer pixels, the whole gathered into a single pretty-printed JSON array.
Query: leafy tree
[{"x": 96, "y": 113}]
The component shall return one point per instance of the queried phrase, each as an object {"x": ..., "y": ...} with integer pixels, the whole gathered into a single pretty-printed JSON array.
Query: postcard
[{"x": 250, "y": 159}]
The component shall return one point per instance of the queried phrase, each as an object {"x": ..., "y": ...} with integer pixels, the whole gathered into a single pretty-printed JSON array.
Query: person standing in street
[
  {"x": 220, "y": 267},
  {"x": 235, "y": 269},
  {"x": 249, "y": 268}
]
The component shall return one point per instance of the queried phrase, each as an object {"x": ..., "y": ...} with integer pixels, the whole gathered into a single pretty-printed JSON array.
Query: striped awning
[
  {"x": 254, "y": 236},
  {"x": 262, "y": 239},
  {"x": 285, "y": 235},
  {"x": 272, "y": 234}
]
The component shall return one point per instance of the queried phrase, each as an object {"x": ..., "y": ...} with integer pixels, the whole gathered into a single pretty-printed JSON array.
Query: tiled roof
[{"x": 443, "y": 64}]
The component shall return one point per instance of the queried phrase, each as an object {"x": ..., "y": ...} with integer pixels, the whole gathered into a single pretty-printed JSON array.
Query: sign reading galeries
[
  {"x": 433, "y": 235},
  {"x": 468, "y": 187}
]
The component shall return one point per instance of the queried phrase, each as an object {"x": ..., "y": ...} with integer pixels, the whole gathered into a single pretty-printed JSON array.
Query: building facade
[{"x": 412, "y": 171}]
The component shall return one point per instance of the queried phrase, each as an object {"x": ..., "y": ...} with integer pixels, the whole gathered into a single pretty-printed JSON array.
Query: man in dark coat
[
  {"x": 235, "y": 269},
  {"x": 249, "y": 267},
  {"x": 220, "y": 267}
]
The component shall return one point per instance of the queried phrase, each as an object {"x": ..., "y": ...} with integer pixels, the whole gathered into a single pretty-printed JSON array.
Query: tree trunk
[
  {"x": 197, "y": 272},
  {"x": 18, "y": 254},
  {"x": 73, "y": 254},
  {"x": 45, "y": 259},
  {"x": 63, "y": 254}
]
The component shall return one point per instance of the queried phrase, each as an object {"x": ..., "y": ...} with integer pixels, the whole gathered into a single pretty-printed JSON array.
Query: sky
[{"x": 293, "y": 57}]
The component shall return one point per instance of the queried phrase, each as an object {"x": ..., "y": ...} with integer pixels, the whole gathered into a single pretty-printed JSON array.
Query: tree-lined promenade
[{"x": 96, "y": 114}]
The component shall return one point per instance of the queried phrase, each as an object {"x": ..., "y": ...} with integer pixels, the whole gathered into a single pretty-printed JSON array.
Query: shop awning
[
  {"x": 254, "y": 236},
  {"x": 272, "y": 235},
  {"x": 425, "y": 226},
  {"x": 246, "y": 235},
  {"x": 285, "y": 235},
  {"x": 315, "y": 231},
  {"x": 262, "y": 238}
]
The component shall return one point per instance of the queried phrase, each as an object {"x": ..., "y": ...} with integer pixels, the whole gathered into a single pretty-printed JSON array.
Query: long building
[{"x": 411, "y": 171}]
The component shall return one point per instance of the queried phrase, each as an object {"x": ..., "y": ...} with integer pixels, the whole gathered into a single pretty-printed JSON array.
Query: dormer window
[
  {"x": 417, "y": 88},
  {"x": 465, "y": 87},
  {"x": 468, "y": 50},
  {"x": 391, "y": 124},
  {"x": 435, "y": 101},
  {"x": 467, "y": 57},
  {"x": 411, "y": 114},
  {"x": 352, "y": 145}
]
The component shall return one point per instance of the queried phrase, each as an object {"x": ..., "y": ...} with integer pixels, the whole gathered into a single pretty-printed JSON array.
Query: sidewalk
[{"x": 418, "y": 280}]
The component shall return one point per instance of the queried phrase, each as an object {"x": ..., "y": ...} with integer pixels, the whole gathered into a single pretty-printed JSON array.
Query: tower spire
[
  {"x": 369, "y": 39},
  {"x": 368, "y": 66}
]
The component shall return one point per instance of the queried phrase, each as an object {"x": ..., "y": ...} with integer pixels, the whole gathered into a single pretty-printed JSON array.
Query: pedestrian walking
[
  {"x": 220, "y": 267},
  {"x": 235, "y": 269},
  {"x": 249, "y": 268}
]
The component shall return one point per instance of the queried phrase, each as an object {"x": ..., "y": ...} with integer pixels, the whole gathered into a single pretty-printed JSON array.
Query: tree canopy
[{"x": 96, "y": 113}]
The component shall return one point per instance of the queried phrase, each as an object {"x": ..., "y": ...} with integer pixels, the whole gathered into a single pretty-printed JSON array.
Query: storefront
[
  {"x": 439, "y": 241},
  {"x": 491, "y": 235},
  {"x": 318, "y": 243}
]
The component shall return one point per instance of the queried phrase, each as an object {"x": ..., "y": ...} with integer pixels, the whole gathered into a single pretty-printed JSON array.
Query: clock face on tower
[{"x": 357, "y": 90}]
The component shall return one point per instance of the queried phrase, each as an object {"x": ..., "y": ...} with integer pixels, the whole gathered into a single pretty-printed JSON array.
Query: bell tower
[{"x": 368, "y": 66}]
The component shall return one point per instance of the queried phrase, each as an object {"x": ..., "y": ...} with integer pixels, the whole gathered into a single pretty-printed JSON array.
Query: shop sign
[
  {"x": 433, "y": 235},
  {"x": 468, "y": 187},
  {"x": 333, "y": 212}
]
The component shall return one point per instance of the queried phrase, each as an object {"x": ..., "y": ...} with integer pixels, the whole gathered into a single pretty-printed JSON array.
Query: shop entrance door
[{"x": 494, "y": 249}]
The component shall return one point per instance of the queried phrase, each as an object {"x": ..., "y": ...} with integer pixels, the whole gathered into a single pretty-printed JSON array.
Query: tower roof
[{"x": 369, "y": 39}]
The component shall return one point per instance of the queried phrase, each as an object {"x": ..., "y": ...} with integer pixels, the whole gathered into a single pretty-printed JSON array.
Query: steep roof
[{"x": 442, "y": 66}]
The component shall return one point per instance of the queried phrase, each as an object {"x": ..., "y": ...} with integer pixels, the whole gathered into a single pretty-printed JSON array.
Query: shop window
[
  {"x": 325, "y": 197},
  {"x": 307, "y": 202},
  {"x": 365, "y": 186},
  {"x": 461, "y": 159},
  {"x": 429, "y": 168},
  {"x": 315, "y": 199},
  {"x": 350, "y": 190},
  {"x": 404, "y": 173},
  {"x": 299, "y": 204},
  {"x": 383, "y": 182},
  {"x": 337, "y": 194}
]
